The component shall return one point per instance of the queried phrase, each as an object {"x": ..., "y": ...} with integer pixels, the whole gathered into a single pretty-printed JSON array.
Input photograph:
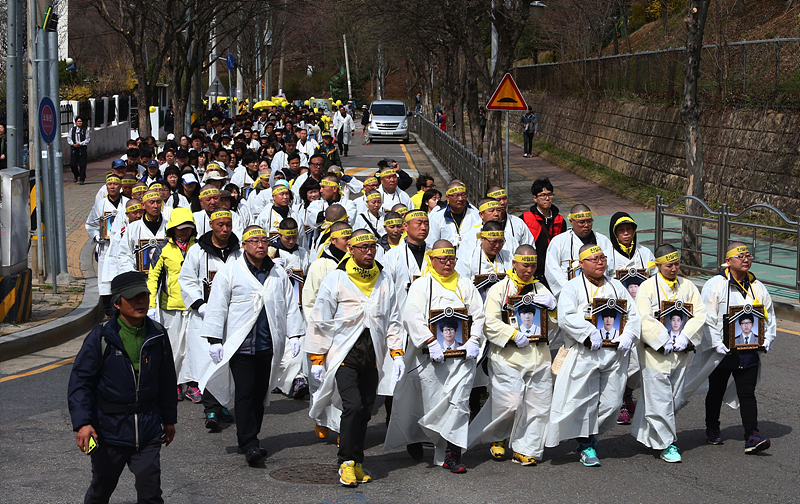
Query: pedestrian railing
[
  {"x": 770, "y": 234},
  {"x": 458, "y": 161}
]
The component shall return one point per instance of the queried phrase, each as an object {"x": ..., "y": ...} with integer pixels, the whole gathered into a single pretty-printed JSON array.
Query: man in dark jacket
[
  {"x": 122, "y": 394},
  {"x": 543, "y": 220}
]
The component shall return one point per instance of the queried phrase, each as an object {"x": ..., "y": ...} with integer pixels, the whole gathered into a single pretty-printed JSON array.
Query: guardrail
[
  {"x": 457, "y": 160},
  {"x": 773, "y": 246}
]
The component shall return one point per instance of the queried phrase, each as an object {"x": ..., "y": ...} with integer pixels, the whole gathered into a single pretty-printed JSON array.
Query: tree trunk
[
  {"x": 691, "y": 111},
  {"x": 665, "y": 17},
  {"x": 145, "y": 129},
  {"x": 471, "y": 98},
  {"x": 625, "y": 29},
  {"x": 616, "y": 39}
]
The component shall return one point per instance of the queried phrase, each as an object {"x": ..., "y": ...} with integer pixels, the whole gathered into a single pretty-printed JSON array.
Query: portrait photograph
[
  {"x": 674, "y": 315},
  {"x": 744, "y": 327},
  {"x": 449, "y": 333},
  {"x": 451, "y": 327},
  {"x": 632, "y": 278},
  {"x": 528, "y": 318},
  {"x": 144, "y": 256},
  {"x": 106, "y": 221},
  {"x": 483, "y": 282},
  {"x": 608, "y": 324},
  {"x": 609, "y": 316},
  {"x": 297, "y": 279}
]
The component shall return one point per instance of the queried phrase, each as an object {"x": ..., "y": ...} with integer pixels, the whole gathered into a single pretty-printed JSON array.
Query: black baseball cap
[{"x": 128, "y": 285}]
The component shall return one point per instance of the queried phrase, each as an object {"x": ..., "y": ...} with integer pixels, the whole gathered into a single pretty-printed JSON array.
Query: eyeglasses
[
  {"x": 257, "y": 241},
  {"x": 597, "y": 260},
  {"x": 583, "y": 222},
  {"x": 744, "y": 257},
  {"x": 548, "y": 195},
  {"x": 446, "y": 260},
  {"x": 366, "y": 248},
  {"x": 317, "y": 164}
]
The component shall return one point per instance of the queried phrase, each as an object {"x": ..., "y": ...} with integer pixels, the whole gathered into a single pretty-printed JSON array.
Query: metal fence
[
  {"x": 457, "y": 160},
  {"x": 67, "y": 116},
  {"x": 774, "y": 247},
  {"x": 762, "y": 73}
]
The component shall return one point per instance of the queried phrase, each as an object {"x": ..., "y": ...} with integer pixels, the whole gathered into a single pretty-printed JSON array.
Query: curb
[{"x": 70, "y": 326}]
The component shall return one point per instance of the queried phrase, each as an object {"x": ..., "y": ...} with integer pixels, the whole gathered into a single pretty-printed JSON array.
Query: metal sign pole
[{"x": 507, "y": 154}]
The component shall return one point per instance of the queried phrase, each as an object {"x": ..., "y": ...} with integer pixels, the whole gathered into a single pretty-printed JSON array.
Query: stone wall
[{"x": 751, "y": 156}]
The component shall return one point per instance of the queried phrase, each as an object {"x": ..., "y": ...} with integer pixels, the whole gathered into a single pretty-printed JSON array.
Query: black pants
[
  {"x": 358, "y": 388},
  {"x": 210, "y": 403},
  {"x": 77, "y": 159},
  {"x": 745, "y": 380},
  {"x": 108, "y": 461},
  {"x": 528, "y": 142},
  {"x": 251, "y": 378},
  {"x": 108, "y": 308},
  {"x": 340, "y": 141}
]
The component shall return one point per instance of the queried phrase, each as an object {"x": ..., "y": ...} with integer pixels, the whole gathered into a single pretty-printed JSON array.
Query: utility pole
[
  {"x": 347, "y": 67},
  {"x": 280, "y": 67},
  {"x": 34, "y": 142},
  {"x": 14, "y": 133}
]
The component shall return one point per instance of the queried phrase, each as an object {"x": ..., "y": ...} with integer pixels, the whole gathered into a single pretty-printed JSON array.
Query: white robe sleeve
[
  {"x": 189, "y": 279},
  {"x": 220, "y": 297}
]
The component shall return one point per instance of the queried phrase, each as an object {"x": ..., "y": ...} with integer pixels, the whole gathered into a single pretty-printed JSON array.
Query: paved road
[{"x": 39, "y": 461}]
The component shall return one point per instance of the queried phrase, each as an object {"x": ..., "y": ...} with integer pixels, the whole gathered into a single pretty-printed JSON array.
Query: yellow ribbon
[
  {"x": 668, "y": 258},
  {"x": 140, "y": 189},
  {"x": 342, "y": 233},
  {"x": 253, "y": 232},
  {"x": 278, "y": 189},
  {"x": 211, "y": 191},
  {"x": 128, "y": 181},
  {"x": 370, "y": 180},
  {"x": 372, "y": 196},
  {"x": 221, "y": 214},
  {"x": 488, "y": 205},
  {"x": 742, "y": 249},
  {"x": 329, "y": 183},
  {"x": 387, "y": 173},
  {"x": 580, "y": 215},
  {"x": 393, "y": 222},
  {"x": 113, "y": 179},
  {"x": 590, "y": 251},
  {"x": 500, "y": 193},
  {"x": 151, "y": 195},
  {"x": 530, "y": 259},
  {"x": 156, "y": 186},
  {"x": 492, "y": 234}
]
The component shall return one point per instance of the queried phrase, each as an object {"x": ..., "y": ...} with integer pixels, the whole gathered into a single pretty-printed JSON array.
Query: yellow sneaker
[
  {"x": 498, "y": 450},
  {"x": 322, "y": 432},
  {"x": 347, "y": 474},
  {"x": 523, "y": 459},
  {"x": 361, "y": 476}
]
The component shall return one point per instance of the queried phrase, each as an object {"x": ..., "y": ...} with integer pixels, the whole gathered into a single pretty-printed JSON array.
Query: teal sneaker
[
  {"x": 670, "y": 454},
  {"x": 589, "y": 458}
]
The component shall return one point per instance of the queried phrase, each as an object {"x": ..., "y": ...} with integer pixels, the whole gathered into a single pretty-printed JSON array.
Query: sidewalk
[{"x": 60, "y": 310}]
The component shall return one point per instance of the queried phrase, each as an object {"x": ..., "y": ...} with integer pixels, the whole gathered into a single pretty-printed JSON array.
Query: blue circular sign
[
  {"x": 48, "y": 124},
  {"x": 231, "y": 63}
]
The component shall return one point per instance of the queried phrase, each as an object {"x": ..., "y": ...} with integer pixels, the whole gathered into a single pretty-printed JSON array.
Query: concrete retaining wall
[{"x": 751, "y": 156}]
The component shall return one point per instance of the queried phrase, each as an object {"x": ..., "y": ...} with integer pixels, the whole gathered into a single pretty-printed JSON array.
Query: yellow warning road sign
[{"x": 507, "y": 96}]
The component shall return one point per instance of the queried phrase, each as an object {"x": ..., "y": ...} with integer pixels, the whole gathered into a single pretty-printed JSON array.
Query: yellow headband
[
  {"x": 580, "y": 215},
  {"x": 279, "y": 189},
  {"x": 442, "y": 252},
  {"x": 288, "y": 232},
  {"x": 342, "y": 233},
  {"x": 492, "y": 234},
  {"x": 388, "y": 173},
  {"x": 113, "y": 179},
  {"x": 393, "y": 222},
  {"x": 156, "y": 186},
  {"x": 401, "y": 211},
  {"x": 488, "y": 205},
  {"x": 151, "y": 195},
  {"x": 590, "y": 251},
  {"x": 668, "y": 258},
  {"x": 134, "y": 208},
  {"x": 220, "y": 215},
  {"x": 372, "y": 196},
  {"x": 530, "y": 259},
  {"x": 370, "y": 180},
  {"x": 624, "y": 219},
  {"x": 500, "y": 193},
  {"x": 329, "y": 183},
  {"x": 456, "y": 190},
  {"x": 742, "y": 249},
  {"x": 415, "y": 214},
  {"x": 253, "y": 232},
  {"x": 264, "y": 176},
  {"x": 128, "y": 180},
  {"x": 213, "y": 191},
  {"x": 137, "y": 190},
  {"x": 212, "y": 166},
  {"x": 362, "y": 238}
]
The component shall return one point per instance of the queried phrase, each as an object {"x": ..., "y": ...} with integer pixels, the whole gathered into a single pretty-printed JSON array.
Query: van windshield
[{"x": 385, "y": 109}]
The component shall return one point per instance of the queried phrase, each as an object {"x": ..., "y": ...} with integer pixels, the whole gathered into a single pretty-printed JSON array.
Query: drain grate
[{"x": 316, "y": 474}]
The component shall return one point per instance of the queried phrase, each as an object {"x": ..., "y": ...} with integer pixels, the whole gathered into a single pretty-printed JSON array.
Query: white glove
[
  {"x": 202, "y": 310},
  {"x": 521, "y": 340},
  {"x": 545, "y": 299},
  {"x": 215, "y": 351},
  {"x": 722, "y": 349},
  {"x": 472, "y": 348},
  {"x": 597, "y": 339},
  {"x": 152, "y": 313},
  {"x": 318, "y": 372},
  {"x": 625, "y": 341},
  {"x": 681, "y": 342},
  {"x": 399, "y": 368},
  {"x": 767, "y": 344},
  {"x": 295, "y": 343},
  {"x": 436, "y": 353},
  {"x": 279, "y": 261},
  {"x": 668, "y": 348},
  {"x": 99, "y": 240}
]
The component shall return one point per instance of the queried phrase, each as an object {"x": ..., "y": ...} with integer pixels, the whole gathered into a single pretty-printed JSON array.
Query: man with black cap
[
  {"x": 153, "y": 173},
  {"x": 122, "y": 421},
  {"x": 328, "y": 149}
]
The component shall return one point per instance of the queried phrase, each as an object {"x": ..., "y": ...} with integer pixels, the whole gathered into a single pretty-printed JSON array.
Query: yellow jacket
[
  {"x": 170, "y": 262},
  {"x": 498, "y": 333},
  {"x": 417, "y": 200},
  {"x": 654, "y": 334}
]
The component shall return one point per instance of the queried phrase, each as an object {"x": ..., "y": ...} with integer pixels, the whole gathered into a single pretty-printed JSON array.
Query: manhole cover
[{"x": 317, "y": 474}]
